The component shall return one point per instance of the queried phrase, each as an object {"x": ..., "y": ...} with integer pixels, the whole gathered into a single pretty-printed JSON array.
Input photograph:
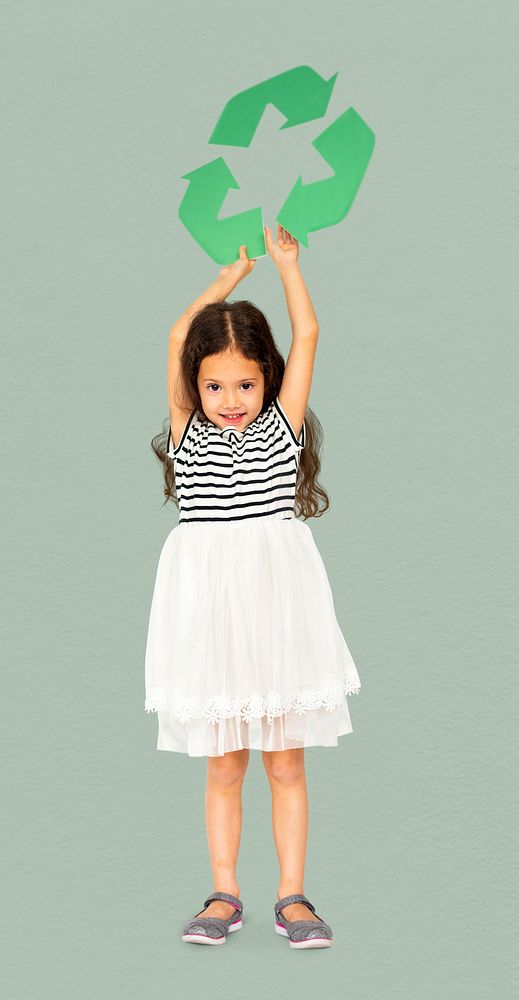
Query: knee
[
  {"x": 228, "y": 768},
  {"x": 284, "y": 766}
]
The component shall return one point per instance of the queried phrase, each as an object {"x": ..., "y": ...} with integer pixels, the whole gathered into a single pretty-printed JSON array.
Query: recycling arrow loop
[{"x": 346, "y": 145}]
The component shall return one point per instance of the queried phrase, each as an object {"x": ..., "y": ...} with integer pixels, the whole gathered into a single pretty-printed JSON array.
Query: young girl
[{"x": 244, "y": 650}]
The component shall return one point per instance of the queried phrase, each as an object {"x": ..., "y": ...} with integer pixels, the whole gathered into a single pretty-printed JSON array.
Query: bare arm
[
  {"x": 300, "y": 309},
  {"x": 297, "y": 378},
  {"x": 221, "y": 287},
  {"x": 217, "y": 292},
  {"x": 285, "y": 253}
]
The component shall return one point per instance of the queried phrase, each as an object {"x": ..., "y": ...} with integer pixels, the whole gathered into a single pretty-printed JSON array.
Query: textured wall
[{"x": 410, "y": 844}]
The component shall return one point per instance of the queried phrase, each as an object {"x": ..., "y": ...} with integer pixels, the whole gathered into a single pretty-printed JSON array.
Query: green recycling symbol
[{"x": 346, "y": 145}]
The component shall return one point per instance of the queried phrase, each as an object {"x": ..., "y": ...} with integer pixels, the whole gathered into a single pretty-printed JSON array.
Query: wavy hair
[{"x": 241, "y": 326}]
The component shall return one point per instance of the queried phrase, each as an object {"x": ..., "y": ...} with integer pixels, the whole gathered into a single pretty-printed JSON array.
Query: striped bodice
[{"x": 223, "y": 474}]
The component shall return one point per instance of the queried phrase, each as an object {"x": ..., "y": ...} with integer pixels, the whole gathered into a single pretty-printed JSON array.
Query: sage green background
[{"x": 412, "y": 856}]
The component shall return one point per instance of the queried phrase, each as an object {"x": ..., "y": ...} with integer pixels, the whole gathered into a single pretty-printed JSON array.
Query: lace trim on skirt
[{"x": 253, "y": 706}]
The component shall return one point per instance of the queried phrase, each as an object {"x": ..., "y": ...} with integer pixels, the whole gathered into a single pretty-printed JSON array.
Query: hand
[
  {"x": 285, "y": 251},
  {"x": 239, "y": 268}
]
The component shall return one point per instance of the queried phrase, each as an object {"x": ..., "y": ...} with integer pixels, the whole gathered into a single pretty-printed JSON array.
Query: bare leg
[
  {"x": 223, "y": 813},
  {"x": 285, "y": 771}
]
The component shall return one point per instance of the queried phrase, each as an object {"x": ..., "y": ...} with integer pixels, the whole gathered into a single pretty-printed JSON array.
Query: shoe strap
[
  {"x": 295, "y": 897},
  {"x": 227, "y": 897}
]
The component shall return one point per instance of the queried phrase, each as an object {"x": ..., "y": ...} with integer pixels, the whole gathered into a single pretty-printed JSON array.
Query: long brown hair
[{"x": 241, "y": 326}]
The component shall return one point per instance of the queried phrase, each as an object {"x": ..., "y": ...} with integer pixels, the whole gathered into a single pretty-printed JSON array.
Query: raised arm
[
  {"x": 297, "y": 379},
  {"x": 299, "y": 304},
  {"x": 221, "y": 287},
  {"x": 218, "y": 291}
]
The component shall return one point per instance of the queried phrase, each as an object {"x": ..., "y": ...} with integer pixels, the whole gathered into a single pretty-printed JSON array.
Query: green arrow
[
  {"x": 220, "y": 238},
  {"x": 300, "y": 94},
  {"x": 346, "y": 146}
]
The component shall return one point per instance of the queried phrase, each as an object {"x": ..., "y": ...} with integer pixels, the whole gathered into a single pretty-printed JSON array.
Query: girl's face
[{"x": 230, "y": 384}]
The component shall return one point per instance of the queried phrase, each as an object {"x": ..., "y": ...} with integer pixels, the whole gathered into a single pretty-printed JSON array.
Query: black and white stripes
[{"x": 228, "y": 475}]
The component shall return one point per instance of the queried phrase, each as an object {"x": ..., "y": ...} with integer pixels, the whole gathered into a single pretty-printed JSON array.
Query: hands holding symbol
[{"x": 284, "y": 252}]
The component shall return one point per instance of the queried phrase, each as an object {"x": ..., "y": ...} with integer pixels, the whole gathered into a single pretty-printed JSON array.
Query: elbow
[{"x": 307, "y": 333}]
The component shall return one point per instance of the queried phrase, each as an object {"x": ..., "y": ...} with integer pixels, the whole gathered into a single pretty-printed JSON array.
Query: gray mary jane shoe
[
  {"x": 214, "y": 930},
  {"x": 302, "y": 933}
]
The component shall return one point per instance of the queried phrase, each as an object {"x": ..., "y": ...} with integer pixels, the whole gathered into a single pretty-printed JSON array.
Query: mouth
[{"x": 232, "y": 418}]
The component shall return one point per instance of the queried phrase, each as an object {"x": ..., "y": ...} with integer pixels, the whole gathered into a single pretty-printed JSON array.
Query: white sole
[{"x": 310, "y": 943}]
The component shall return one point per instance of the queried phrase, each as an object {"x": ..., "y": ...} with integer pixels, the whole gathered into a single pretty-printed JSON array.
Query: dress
[{"x": 243, "y": 646}]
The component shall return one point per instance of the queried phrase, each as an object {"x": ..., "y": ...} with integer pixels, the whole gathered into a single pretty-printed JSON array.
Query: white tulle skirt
[{"x": 243, "y": 647}]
